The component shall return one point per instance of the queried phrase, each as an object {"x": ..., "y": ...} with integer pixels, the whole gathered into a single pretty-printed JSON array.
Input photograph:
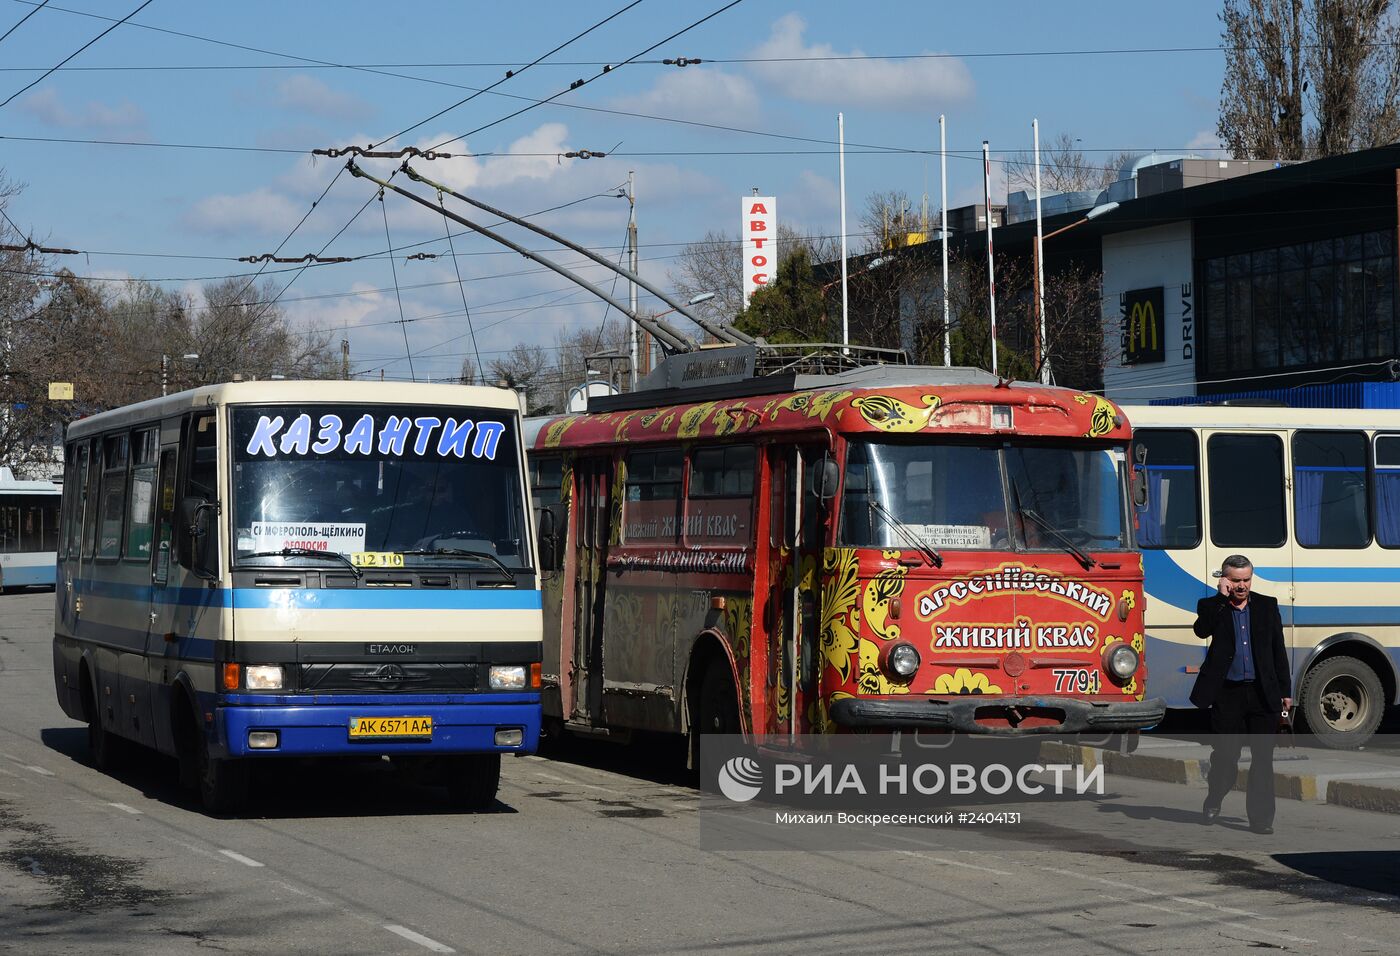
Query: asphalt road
[{"x": 598, "y": 850}]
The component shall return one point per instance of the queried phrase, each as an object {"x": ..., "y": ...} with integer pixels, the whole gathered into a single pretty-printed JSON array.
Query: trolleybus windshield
[
  {"x": 1014, "y": 496},
  {"x": 384, "y": 485}
]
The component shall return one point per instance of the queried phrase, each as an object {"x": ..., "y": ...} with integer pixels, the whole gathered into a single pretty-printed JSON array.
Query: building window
[
  {"x": 1246, "y": 491},
  {"x": 1314, "y": 303},
  {"x": 1329, "y": 490},
  {"x": 1172, "y": 516}
]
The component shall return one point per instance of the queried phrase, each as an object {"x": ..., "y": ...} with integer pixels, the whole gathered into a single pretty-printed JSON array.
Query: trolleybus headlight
[
  {"x": 507, "y": 676},
  {"x": 903, "y": 661},
  {"x": 1121, "y": 661},
  {"x": 263, "y": 677}
]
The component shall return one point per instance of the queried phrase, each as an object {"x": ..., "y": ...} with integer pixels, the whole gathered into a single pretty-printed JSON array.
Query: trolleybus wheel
[
  {"x": 107, "y": 748},
  {"x": 223, "y": 783},
  {"x": 473, "y": 780},
  {"x": 1342, "y": 701}
]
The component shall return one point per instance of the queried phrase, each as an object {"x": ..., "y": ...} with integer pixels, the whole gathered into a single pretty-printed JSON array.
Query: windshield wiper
[
  {"x": 304, "y": 553},
  {"x": 1054, "y": 532},
  {"x": 463, "y": 553},
  {"x": 906, "y": 532}
]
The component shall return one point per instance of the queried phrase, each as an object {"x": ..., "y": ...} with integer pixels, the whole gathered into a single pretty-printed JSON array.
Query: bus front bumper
[
  {"x": 460, "y": 725},
  {"x": 998, "y": 716}
]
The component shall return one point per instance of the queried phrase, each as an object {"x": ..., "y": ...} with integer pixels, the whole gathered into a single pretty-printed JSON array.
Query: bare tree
[
  {"x": 1063, "y": 168},
  {"x": 527, "y": 369},
  {"x": 1307, "y": 78}
]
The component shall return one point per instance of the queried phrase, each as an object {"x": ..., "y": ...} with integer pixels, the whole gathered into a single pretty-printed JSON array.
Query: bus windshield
[
  {"x": 441, "y": 481},
  {"x": 1013, "y": 496}
]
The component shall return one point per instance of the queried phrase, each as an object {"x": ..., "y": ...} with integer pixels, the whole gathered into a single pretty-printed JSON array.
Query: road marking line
[
  {"x": 947, "y": 862},
  {"x": 39, "y": 770},
  {"x": 1223, "y": 909},
  {"x": 123, "y": 807},
  {"x": 246, "y": 861},
  {"x": 419, "y": 938},
  {"x": 1250, "y": 928}
]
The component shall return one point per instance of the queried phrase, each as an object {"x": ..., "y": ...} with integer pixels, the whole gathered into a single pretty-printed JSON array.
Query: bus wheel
[
  {"x": 106, "y": 747},
  {"x": 223, "y": 783},
  {"x": 1342, "y": 701},
  {"x": 473, "y": 780}
]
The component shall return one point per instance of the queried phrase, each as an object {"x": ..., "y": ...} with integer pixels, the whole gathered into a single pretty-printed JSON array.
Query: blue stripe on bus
[
  {"x": 1328, "y": 468},
  {"x": 1329, "y": 575},
  {"x": 330, "y": 599}
]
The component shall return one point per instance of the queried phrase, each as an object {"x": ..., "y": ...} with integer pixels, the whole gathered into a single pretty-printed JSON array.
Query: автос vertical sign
[{"x": 760, "y": 232}]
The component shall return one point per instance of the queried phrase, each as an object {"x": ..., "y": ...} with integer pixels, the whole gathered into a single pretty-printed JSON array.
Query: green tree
[{"x": 791, "y": 308}]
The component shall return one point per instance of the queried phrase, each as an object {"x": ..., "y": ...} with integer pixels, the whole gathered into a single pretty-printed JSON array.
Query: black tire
[
  {"x": 223, "y": 783},
  {"x": 1342, "y": 702},
  {"x": 107, "y": 749},
  {"x": 473, "y": 780}
]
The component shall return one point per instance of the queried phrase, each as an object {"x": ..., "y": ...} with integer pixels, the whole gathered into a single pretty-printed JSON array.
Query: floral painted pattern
[
  {"x": 963, "y": 681},
  {"x": 882, "y": 589},
  {"x": 872, "y": 679},
  {"x": 840, "y": 615},
  {"x": 892, "y": 415}
]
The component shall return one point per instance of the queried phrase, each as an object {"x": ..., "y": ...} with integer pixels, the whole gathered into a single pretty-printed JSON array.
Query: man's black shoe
[
  {"x": 1262, "y": 828},
  {"x": 1209, "y": 814}
]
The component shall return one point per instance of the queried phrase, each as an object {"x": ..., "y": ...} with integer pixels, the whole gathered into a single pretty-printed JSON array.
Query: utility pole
[
  {"x": 345, "y": 359},
  {"x": 636, "y": 331}
]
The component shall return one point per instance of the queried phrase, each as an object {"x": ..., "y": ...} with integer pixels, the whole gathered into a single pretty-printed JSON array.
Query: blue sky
[{"x": 174, "y": 206}]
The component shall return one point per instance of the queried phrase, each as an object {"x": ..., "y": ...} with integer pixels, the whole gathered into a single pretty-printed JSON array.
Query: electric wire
[
  {"x": 466, "y": 310},
  {"x": 50, "y": 72},
  {"x": 20, "y": 24},
  {"x": 393, "y": 269}
]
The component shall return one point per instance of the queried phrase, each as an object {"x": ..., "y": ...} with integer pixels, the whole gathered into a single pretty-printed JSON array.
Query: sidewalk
[{"x": 1362, "y": 780}]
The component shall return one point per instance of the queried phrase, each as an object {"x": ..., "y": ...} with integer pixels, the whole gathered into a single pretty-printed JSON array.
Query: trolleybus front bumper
[
  {"x": 461, "y": 723},
  {"x": 998, "y": 716}
]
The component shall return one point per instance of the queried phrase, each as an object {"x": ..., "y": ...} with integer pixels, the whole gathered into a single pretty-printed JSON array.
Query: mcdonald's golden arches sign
[{"x": 1144, "y": 327}]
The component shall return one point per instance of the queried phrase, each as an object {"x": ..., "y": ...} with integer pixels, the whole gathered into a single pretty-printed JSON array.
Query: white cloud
[
  {"x": 305, "y": 94},
  {"x": 261, "y": 211},
  {"x": 711, "y": 96},
  {"x": 48, "y": 107},
  {"x": 798, "y": 71}
]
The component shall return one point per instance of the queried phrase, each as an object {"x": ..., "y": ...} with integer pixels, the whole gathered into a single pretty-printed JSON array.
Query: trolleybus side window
[
  {"x": 651, "y": 511},
  {"x": 1330, "y": 493},
  {"x": 546, "y": 480},
  {"x": 1388, "y": 490},
  {"x": 9, "y": 525},
  {"x": 719, "y": 503},
  {"x": 141, "y": 509},
  {"x": 1246, "y": 491},
  {"x": 113, "y": 498},
  {"x": 1172, "y": 516}
]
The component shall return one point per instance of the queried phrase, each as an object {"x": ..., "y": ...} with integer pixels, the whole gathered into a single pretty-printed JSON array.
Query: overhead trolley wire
[
  {"x": 20, "y": 24},
  {"x": 52, "y": 70}
]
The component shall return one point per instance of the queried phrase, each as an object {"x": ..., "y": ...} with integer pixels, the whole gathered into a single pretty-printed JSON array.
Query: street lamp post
[
  {"x": 1037, "y": 252},
  {"x": 165, "y": 369}
]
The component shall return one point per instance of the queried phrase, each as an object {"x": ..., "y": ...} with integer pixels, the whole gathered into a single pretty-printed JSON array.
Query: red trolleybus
[{"x": 882, "y": 548}]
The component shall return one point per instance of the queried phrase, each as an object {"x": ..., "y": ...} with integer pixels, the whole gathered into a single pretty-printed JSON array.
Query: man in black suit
[{"x": 1245, "y": 681}]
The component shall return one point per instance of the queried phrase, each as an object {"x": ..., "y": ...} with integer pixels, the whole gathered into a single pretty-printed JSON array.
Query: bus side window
[
  {"x": 1172, "y": 517},
  {"x": 9, "y": 526},
  {"x": 1330, "y": 493},
  {"x": 165, "y": 517},
  {"x": 94, "y": 478},
  {"x": 857, "y": 517},
  {"x": 200, "y": 470},
  {"x": 1246, "y": 491},
  {"x": 113, "y": 497},
  {"x": 141, "y": 498},
  {"x": 547, "y": 492},
  {"x": 68, "y": 502},
  {"x": 719, "y": 505},
  {"x": 651, "y": 511},
  {"x": 1388, "y": 490}
]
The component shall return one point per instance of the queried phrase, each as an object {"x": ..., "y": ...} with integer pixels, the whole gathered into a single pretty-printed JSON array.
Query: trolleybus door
[
  {"x": 796, "y": 521},
  {"x": 594, "y": 484}
]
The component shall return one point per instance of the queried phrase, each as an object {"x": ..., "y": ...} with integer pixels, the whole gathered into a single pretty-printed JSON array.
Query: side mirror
[
  {"x": 823, "y": 479},
  {"x": 196, "y": 541},
  {"x": 551, "y": 523},
  {"x": 1139, "y": 482}
]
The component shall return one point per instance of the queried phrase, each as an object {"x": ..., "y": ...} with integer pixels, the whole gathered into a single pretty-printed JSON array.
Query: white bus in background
[
  {"x": 28, "y": 531},
  {"x": 287, "y": 569},
  {"x": 1312, "y": 498}
]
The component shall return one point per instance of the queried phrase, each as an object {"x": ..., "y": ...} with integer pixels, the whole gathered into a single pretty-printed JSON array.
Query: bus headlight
[
  {"x": 263, "y": 677},
  {"x": 903, "y": 661},
  {"x": 507, "y": 676},
  {"x": 1120, "y": 660}
]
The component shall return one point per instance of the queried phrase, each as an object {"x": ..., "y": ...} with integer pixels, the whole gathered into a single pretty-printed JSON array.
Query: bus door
[
  {"x": 165, "y": 583},
  {"x": 593, "y": 479},
  {"x": 1247, "y": 511},
  {"x": 796, "y": 535}
]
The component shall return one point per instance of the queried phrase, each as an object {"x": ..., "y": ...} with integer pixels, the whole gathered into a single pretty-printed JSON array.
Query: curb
[{"x": 1192, "y": 772}]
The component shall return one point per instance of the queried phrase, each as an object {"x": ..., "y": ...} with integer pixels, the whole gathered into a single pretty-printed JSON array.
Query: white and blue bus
[
  {"x": 28, "y": 531},
  {"x": 1312, "y": 498},
  {"x": 260, "y": 570}
]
